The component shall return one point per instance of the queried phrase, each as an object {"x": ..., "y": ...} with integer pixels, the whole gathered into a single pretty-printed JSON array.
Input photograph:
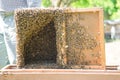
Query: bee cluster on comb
[{"x": 59, "y": 38}]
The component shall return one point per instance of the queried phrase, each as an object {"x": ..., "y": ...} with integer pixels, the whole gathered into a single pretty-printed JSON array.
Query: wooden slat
[
  {"x": 102, "y": 45},
  {"x": 59, "y": 75},
  {"x": 11, "y": 73}
]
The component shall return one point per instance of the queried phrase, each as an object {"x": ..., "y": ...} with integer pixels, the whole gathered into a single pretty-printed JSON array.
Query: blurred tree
[
  {"x": 111, "y": 7},
  {"x": 58, "y": 3}
]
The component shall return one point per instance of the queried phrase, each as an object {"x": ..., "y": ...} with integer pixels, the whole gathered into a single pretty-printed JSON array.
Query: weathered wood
[{"x": 11, "y": 73}]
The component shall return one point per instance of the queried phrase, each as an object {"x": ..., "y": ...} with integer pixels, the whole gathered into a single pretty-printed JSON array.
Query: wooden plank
[
  {"x": 60, "y": 76},
  {"x": 102, "y": 45},
  {"x": 11, "y": 73}
]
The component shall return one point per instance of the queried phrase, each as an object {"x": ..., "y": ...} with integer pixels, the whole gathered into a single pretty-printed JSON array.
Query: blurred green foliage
[
  {"x": 46, "y": 3},
  {"x": 111, "y": 7}
]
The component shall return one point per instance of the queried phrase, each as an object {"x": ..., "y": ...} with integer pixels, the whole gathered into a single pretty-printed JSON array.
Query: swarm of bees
[{"x": 52, "y": 38}]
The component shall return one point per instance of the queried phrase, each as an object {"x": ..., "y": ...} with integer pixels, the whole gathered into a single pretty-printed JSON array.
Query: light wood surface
[{"x": 11, "y": 73}]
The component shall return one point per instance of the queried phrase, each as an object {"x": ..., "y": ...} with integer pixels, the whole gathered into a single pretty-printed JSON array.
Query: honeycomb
[{"x": 59, "y": 38}]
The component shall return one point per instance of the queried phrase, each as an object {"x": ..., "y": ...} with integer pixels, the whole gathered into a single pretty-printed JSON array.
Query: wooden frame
[
  {"x": 8, "y": 73},
  {"x": 73, "y": 49}
]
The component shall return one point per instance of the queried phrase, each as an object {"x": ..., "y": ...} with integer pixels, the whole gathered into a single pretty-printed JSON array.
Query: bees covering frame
[{"x": 60, "y": 38}]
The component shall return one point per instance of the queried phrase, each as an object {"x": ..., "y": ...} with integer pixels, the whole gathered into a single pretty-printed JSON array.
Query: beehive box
[
  {"x": 10, "y": 72},
  {"x": 60, "y": 38}
]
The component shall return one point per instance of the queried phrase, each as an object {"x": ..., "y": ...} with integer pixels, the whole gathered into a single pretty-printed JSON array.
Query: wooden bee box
[
  {"x": 60, "y": 38},
  {"x": 11, "y": 72}
]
